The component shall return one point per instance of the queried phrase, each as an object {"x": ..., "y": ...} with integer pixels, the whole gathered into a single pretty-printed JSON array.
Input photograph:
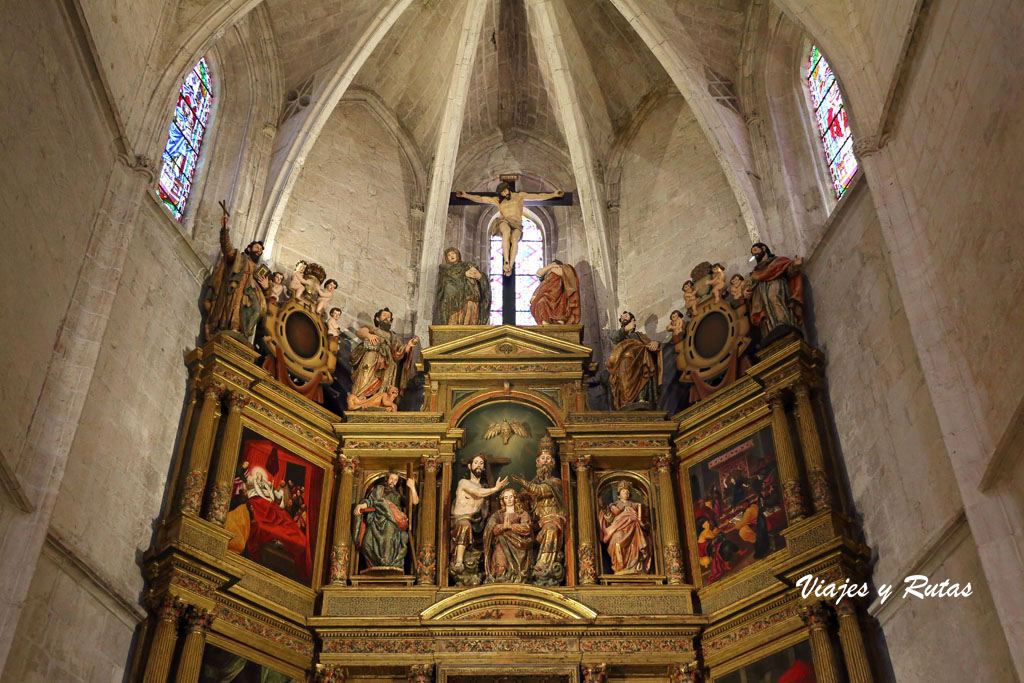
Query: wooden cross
[{"x": 508, "y": 283}]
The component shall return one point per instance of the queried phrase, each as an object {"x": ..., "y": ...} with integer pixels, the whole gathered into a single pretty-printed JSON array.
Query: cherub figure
[
  {"x": 690, "y": 298},
  {"x": 276, "y": 291},
  {"x": 385, "y": 400},
  {"x": 737, "y": 285},
  {"x": 326, "y": 294},
  {"x": 717, "y": 281},
  {"x": 297, "y": 285},
  {"x": 334, "y": 322}
]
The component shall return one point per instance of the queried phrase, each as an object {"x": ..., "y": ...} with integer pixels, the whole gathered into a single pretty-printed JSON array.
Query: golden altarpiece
[{"x": 737, "y": 495}]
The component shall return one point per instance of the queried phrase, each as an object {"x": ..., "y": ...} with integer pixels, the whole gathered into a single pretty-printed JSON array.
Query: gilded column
[
  {"x": 341, "y": 550},
  {"x": 220, "y": 493},
  {"x": 669, "y": 524},
  {"x": 421, "y": 673},
  {"x": 426, "y": 562},
  {"x": 810, "y": 442},
  {"x": 330, "y": 673},
  {"x": 594, "y": 673},
  {"x": 817, "y": 619},
  {"x": 202, "y": 447},
  {"x": 792, "y": 495},
  {"x": 161, "y": 649},
  {"x": 585, "y": 514},
  {"x": 858, "y": 668},
  {"x": 197, "y": 623}
]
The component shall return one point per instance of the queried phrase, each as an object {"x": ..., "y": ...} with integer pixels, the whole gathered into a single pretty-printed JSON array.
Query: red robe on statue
[{"x": 557, "y": 298}]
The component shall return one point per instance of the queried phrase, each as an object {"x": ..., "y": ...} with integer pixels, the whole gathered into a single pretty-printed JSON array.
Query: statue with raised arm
[
  {"x": 380, "y": 363},
  {"x": 548, "y": 502},
  {"x": 381, "y": 525},
  {"x": 468, "y": 511},
  {"x": 235, "y": 294},
  {"x": 510, "y": 220}
]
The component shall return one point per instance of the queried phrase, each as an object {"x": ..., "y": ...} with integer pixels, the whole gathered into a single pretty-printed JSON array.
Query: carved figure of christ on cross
[{"x": 510, "y": 207}]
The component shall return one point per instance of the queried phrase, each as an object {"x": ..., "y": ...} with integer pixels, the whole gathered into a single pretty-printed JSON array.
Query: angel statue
[{"x": 507, "y": 430}]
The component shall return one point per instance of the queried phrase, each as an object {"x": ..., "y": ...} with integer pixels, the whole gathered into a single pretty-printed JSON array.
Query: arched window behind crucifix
[{"x": 529, "y": 260}]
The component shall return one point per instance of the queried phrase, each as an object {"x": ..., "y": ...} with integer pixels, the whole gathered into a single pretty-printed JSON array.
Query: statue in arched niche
[{"x": 626, "y": 532}]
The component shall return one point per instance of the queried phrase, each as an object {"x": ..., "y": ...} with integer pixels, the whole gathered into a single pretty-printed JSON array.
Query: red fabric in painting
[
  {"x": 800, "y": 672},
  {"x": 257, "y": 452},
  {"x": 271, "y": 523}
]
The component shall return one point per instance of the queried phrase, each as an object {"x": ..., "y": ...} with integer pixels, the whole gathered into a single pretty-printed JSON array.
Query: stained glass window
[
  {"x": 191, "y": 114},
  {"x": 529, "y": 260},
  {"x": 833, "y": 128}
]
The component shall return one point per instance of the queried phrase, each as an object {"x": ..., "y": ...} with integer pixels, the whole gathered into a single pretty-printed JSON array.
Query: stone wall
[
  {"x": 903, "y": 486},
  {"x": 350, "y": 212},
  {"x": 676, "y": 210},
  {"x": 50, "y": 198}
]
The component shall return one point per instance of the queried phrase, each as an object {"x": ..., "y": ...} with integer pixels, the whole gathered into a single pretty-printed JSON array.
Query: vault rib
[
  {"x": 554, "y": 66},
  {"x": 296, "y": 137},
  {"x": 443, "y": 169},
  {"x": 681, "y": 59}
]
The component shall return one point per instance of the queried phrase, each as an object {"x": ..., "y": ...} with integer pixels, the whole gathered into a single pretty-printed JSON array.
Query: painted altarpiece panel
[
  {"x": 789, "y": 665},
  {"x": 734, "y": 498},
  {"x": 274, "y": 514},
  {"x": 222, "y": 665}
]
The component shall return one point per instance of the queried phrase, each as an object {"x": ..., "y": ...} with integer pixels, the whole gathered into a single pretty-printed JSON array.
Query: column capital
[
  {"x": 582, "y": 462},
  {"x": 431, "y": 463},
  {"x": 817, "y": 616},
  {"x": 198, "y": 619},
  {"x": 236, "y": 401},
  {"x": 167, "y": 607},
  {"x": 212, "y": 388},
  {"x": 691, "y": 672},
  {"x": 663, "y": 462},
  {"x": 421, "y": 673},
  {"x": 330, "y": 673},
  {"x": 348, "y": 463},
  {"x": 594, "y": 673}
]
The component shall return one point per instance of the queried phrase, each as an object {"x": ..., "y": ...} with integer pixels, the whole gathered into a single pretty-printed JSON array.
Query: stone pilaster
[
  {"x": 341, "y": 550},
  {"x": 817, "y": 617},
  {"x": 588, "y": 569},
  {"x": 810, "y": 443},
  {"x": 426, "y": 562},
  {"x": 220, "y": 492},
  {"x": 792, "y": 491},
  {"x": 669, "y": 527},
  {"x": 197, "y": 623}
]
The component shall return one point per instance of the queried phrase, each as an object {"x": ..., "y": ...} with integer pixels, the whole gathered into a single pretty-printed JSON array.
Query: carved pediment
[
  {"x": 508, "y": 602},
  {"x": 506, "y": 343}
]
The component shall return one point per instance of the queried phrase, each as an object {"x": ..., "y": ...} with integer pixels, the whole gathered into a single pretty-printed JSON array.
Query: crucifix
[{"x": 510, "y": 226}]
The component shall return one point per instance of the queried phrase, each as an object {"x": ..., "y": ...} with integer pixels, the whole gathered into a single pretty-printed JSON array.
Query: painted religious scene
[
  {"x": 738, "y": 515},
  {"x": 275, "y": 508},
  {"x": 221, "y": 666},
  {"x": 792, "y": 665}
]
